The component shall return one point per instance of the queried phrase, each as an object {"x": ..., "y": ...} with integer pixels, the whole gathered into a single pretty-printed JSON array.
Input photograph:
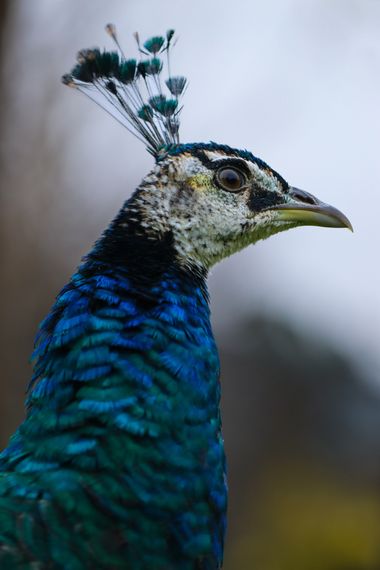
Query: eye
[{"x": 230, "y": 179}]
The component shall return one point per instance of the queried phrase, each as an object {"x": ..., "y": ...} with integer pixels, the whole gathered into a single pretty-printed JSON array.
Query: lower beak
[{"x": 304, "y": 209}]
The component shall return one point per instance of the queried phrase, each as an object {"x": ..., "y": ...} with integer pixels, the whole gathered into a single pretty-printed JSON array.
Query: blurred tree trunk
[
  {"x": 5, "y": 23},
  {"x": 4, "y": 7},
  {"x": 8, "y": 391},
  {"x": 33, "y": 264}
]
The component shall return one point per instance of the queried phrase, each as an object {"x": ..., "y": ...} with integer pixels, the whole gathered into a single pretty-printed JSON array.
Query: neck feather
[
  {"x": 126, "y": 397},
  {"x": 130, "y": 332}
]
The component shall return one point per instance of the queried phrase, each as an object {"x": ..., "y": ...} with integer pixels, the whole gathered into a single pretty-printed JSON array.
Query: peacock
[{"x": 120, "y": 461}]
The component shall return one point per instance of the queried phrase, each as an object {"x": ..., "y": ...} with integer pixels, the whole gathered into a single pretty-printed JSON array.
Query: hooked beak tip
[{"x": 305, "y": 209}]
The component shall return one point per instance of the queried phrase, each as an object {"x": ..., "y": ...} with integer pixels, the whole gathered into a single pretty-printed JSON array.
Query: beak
[{"x": 306, "y": 210}]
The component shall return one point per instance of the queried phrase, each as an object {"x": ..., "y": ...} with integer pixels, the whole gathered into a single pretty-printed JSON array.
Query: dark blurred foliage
[
  {"x": 301, "y": 422},
  {"x": 31, "y": 270},
  {"x": 301, "y": 427}
]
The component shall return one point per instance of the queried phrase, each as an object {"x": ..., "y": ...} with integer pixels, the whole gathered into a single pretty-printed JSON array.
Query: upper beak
[{"x": 306, "y": 210}]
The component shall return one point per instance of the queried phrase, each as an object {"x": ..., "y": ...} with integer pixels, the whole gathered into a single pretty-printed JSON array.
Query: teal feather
[
  {"x": 121, "y": 82},
  {"x": 155, "y": 44},
  {"x": 95, "y": 410}
]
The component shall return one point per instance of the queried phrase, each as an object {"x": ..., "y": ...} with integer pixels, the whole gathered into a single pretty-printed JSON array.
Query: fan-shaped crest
[{"x": 132, "y": 90}]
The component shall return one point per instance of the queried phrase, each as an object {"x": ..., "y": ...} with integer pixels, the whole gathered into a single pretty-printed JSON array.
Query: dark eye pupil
[{"x": 230, "y": 179}]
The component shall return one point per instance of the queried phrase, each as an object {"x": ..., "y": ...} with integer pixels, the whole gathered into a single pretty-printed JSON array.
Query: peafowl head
[
  {"x": 208, "y": 200},
  {"x": 214, "y": 201}
]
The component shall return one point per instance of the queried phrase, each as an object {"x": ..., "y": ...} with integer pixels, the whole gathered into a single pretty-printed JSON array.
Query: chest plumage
[{"x": 126, "y": 392}]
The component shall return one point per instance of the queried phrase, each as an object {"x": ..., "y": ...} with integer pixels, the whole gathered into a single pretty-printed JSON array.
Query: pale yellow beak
[{"x": 306, "y": 210}]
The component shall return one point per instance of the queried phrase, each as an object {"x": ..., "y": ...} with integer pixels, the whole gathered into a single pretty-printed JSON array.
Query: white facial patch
[{"x": 207, "y": 223}]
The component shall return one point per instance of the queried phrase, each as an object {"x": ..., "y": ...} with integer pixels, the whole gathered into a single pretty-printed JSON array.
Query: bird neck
[
  {"x": 127, "y": 349},
  {"x": 154, "y": 231},
  {"x": 125, "y": 397}
]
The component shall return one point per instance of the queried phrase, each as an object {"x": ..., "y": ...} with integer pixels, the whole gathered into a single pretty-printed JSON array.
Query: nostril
[{"x": 303, "y": 196}]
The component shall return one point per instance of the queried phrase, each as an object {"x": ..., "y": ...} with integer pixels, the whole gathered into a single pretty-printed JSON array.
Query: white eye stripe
[
  {"x": 217, "y": 157},
  {"x": 214, "y": 155}
]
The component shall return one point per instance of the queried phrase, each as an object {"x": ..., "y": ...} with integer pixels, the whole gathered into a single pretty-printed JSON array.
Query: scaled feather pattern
[{"x": 117, "y": 364}]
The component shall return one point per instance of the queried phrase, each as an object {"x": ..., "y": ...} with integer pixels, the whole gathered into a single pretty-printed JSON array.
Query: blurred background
[{"x": 297, "y": 318}]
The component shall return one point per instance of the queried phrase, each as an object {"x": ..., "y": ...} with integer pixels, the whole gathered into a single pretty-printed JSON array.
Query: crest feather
[{"x": 131, "y": 90}]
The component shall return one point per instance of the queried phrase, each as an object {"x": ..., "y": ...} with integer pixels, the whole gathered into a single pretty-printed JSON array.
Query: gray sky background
[{"x": 297, "y": 82}]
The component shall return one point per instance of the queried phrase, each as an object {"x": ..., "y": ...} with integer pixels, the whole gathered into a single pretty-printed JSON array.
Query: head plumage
[{"x": 132, "y": 90}]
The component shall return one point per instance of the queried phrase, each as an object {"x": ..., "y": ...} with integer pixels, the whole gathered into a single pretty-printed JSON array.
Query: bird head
[
  {"x": 214, "y": 200},
  {"x": 203, "y": 201}
]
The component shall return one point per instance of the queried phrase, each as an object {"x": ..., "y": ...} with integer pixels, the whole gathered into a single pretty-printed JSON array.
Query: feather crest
[{"x": 131, "y": 90}]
